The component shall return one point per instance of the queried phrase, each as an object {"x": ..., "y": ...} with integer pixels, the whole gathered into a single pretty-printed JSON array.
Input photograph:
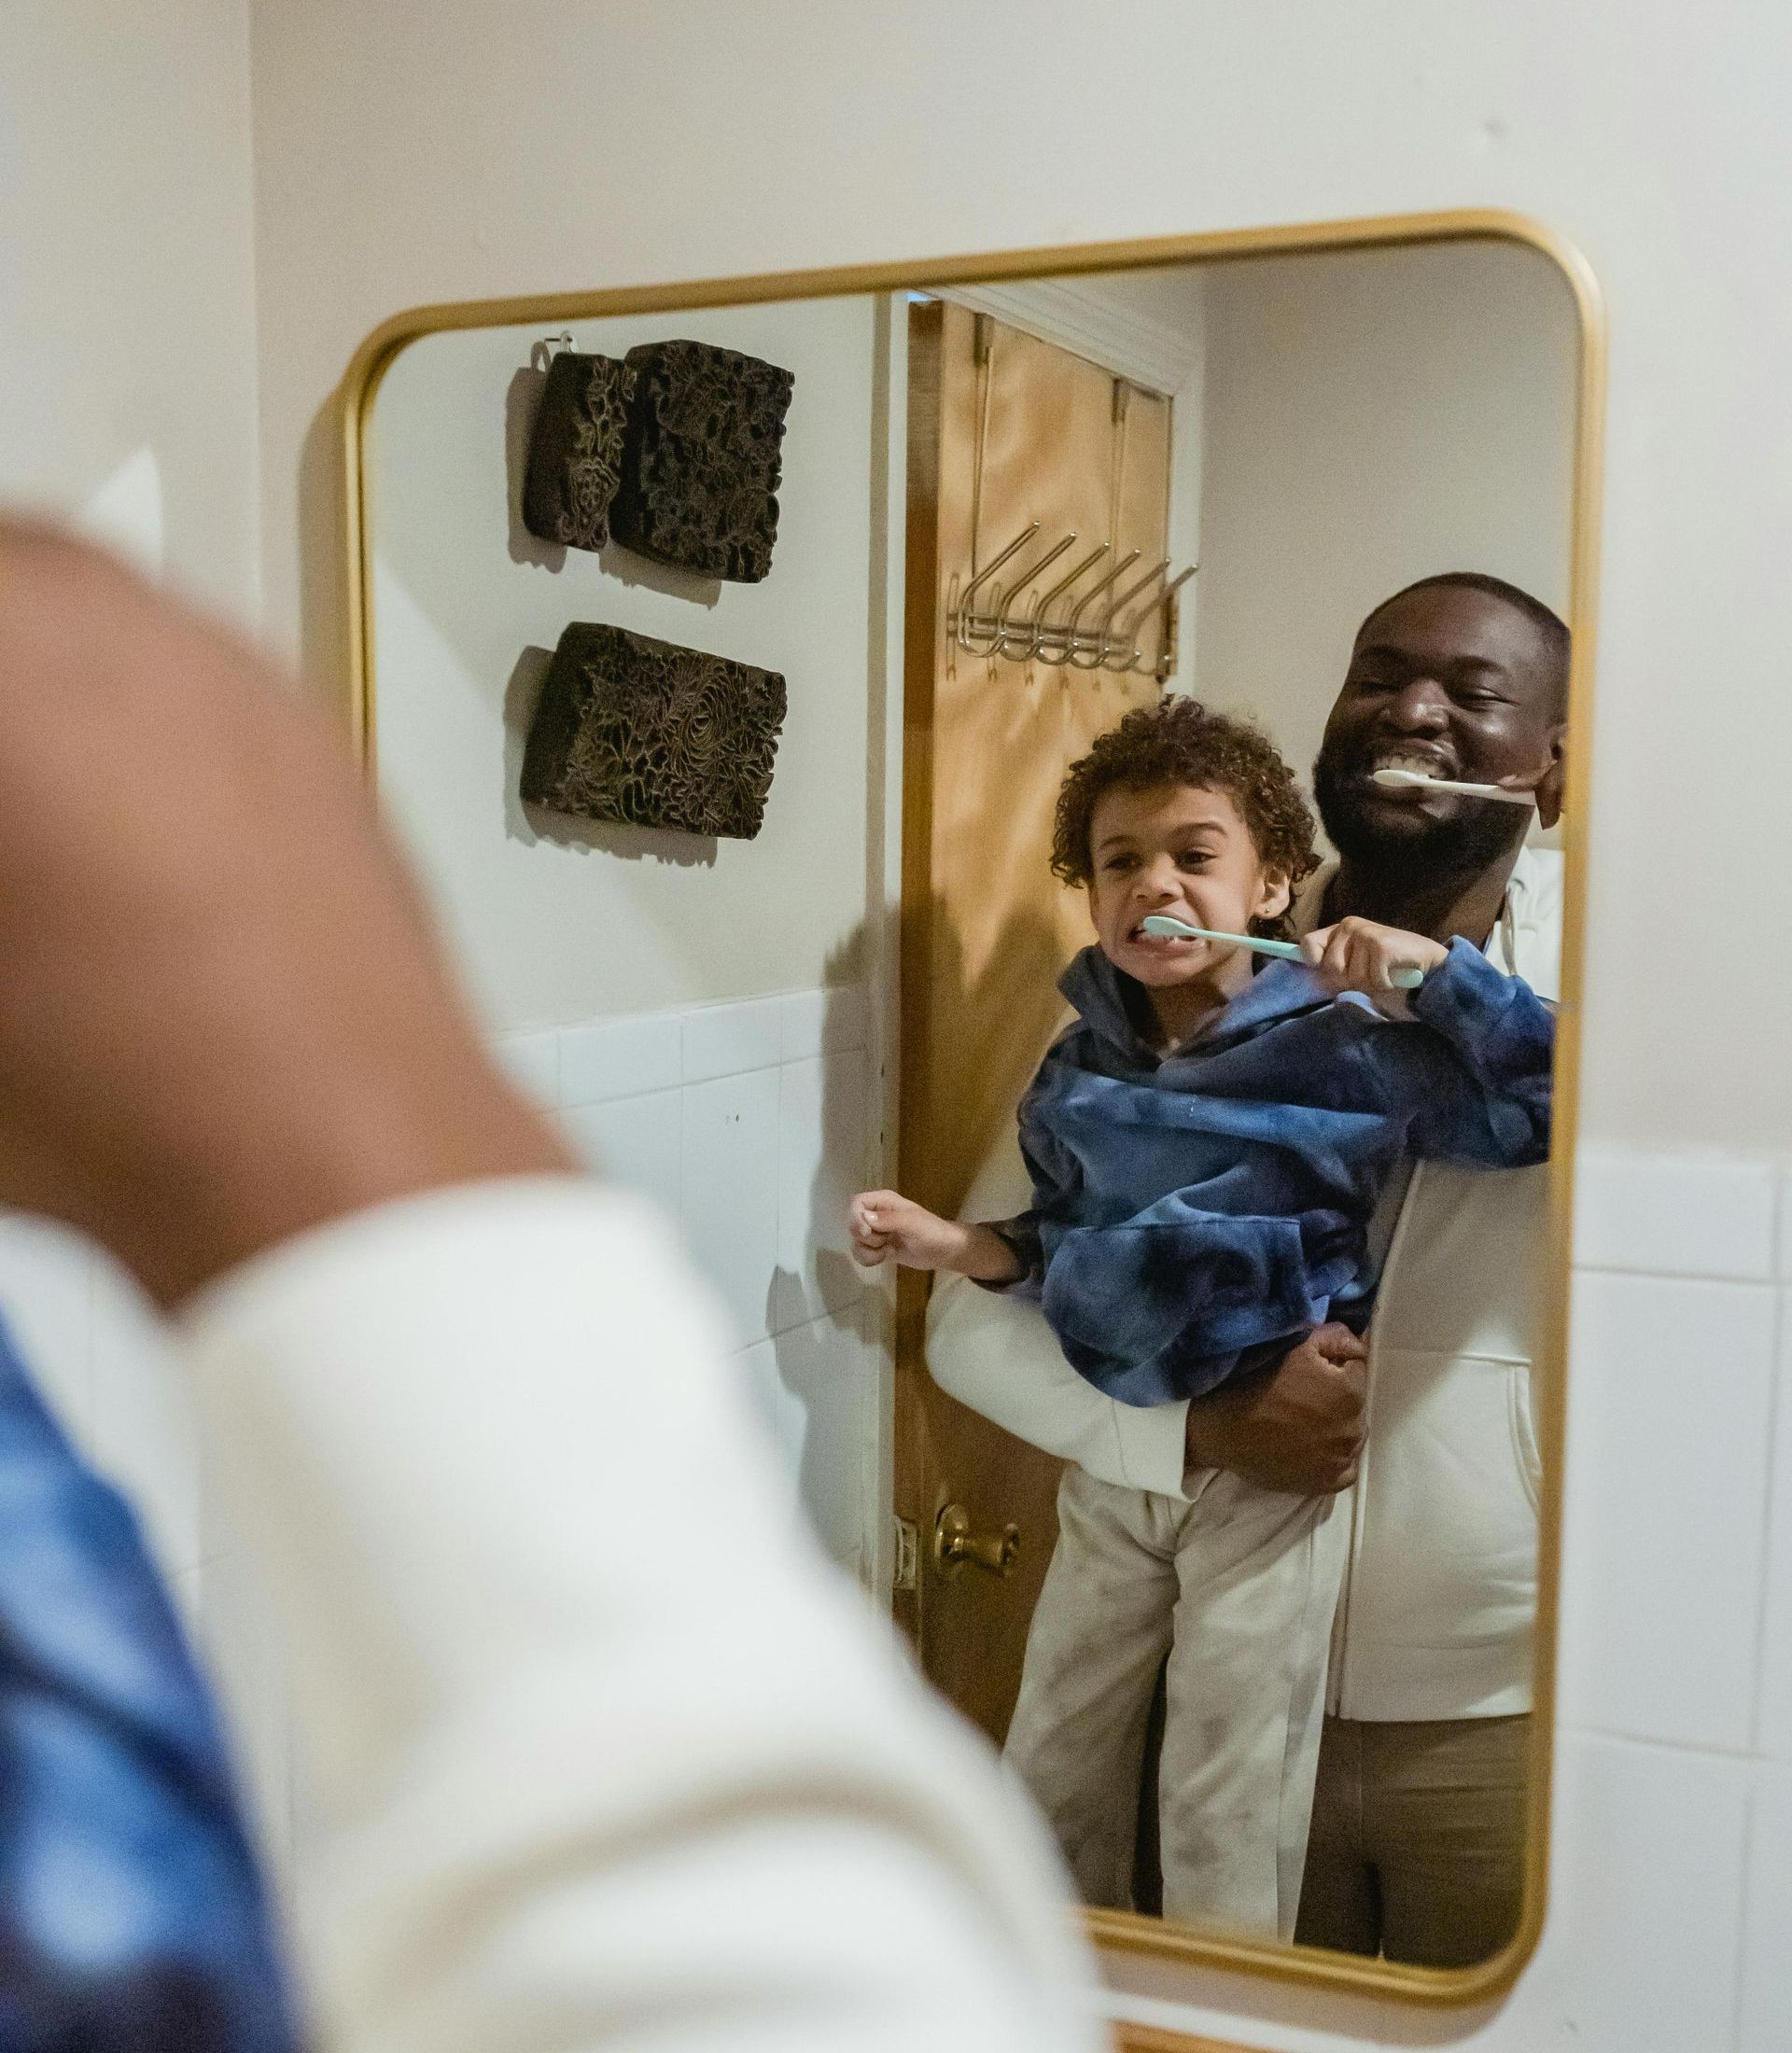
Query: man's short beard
[{"x": 1478, "y": 836}]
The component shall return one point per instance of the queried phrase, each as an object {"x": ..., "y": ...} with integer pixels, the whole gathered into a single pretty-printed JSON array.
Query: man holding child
[{"x": 1418, "y": 1823}]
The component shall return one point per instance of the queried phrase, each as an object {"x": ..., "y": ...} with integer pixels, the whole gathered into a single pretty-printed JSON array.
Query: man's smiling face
[{"x": 1452, "y": 682}]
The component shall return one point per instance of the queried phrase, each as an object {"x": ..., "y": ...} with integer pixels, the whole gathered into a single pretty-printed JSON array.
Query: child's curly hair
[{"x": 1179, "y": 741}]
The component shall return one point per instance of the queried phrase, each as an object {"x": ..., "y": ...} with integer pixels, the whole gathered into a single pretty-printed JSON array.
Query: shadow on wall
[
  {"x": 530, "y": 824},
  {"x": 521, "y": 402},
  {"x": 827, "y": 1318},
  {"x": 822, "y": 1310}
]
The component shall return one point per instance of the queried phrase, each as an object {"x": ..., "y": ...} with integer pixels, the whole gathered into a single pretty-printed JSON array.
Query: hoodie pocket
[{"x": 1447, "y": 1514}]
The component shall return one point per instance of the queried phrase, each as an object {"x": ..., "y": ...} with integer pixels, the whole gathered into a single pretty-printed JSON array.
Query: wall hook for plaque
[{"x": 549, "y": 347}]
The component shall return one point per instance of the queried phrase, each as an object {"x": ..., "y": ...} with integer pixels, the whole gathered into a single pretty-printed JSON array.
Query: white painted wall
[
  {"x": 128, "y": 401},
  {"x": 406, "y": 155},
  {"x": 127, "y": 281},
  {"x": 691, "y": 1009},
  {"x": 556, "y": 922},
  {"x": 1372, "y": 418}
]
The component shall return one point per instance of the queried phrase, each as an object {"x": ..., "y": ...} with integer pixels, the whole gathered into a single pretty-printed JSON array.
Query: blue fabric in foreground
[
  {"x": 1196, "y": 1214},
  {"x": 132, "y": 1915}
]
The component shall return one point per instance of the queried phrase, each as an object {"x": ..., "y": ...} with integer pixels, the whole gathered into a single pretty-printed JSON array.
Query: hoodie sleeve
[
  {"x": 1475, "y": 1085},
  {"x": 570, "y": 1788},
  {"x": 131, "y": 1910}
]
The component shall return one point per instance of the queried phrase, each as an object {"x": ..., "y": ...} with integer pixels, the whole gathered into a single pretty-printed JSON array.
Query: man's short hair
[{"x": 1557, "y": 640}]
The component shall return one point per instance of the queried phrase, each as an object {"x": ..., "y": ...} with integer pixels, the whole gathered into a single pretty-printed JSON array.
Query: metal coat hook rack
[{"x": 1098, "y": 628}]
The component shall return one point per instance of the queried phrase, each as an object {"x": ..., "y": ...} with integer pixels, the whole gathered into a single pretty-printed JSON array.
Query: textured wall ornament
[
  {"x": 576, "y": 450},
  {"x": 653, "y": 735},
  {"x": 704, "y": 457}
]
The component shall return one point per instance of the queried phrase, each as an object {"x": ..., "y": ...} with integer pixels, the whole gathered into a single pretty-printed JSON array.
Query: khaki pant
[
  {"x": 1238, "y": 1588},
  {"x": 1418, "y": 1841}
]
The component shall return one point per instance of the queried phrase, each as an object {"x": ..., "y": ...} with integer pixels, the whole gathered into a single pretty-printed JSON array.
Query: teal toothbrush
[{"x": 1284, "y": 951}]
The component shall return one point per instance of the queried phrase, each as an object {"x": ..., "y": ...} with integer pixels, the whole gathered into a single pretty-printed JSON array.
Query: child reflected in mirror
[{"x": 1208, "y": 1142}]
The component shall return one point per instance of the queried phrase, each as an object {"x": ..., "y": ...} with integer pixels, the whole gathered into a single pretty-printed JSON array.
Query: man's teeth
[{"x": 1420, "y": 766}]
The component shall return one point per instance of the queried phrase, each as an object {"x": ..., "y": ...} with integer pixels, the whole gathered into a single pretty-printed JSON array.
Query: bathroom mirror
[{"x": 1339, "y": 483}]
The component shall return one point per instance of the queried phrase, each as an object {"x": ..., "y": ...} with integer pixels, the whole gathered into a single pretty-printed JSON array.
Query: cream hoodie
[{"x": 601, "y": 1753}]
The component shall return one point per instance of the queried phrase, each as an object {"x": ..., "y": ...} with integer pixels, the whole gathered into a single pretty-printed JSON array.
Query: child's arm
[
  {"x": 1476, "y": 1087},
  {"x": 886, "y": 1226}
]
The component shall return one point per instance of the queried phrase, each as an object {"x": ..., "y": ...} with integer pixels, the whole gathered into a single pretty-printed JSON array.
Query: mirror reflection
[{"x": 1048, "y": 792}]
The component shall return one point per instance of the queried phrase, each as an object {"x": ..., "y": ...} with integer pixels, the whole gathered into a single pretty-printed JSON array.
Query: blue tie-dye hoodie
[
  {"x": 1195, "y": 1213},
  {"x": 132, "y": 1914}
]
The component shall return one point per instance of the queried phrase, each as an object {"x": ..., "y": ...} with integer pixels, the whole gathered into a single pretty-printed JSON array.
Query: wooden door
[{"x": 1003, "y": 430}]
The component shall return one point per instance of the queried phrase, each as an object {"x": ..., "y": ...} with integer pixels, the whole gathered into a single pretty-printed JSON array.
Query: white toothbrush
[
  {"x": 1416, "y": 780},
  {"x": 1403, "y": 979}
]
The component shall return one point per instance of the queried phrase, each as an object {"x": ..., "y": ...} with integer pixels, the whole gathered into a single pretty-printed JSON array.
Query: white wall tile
[
  {"x": 620, "y": 1058},
  {"x": 532, "y": 1062},
  {"x": 1767, "y": 1927},
  {"x": 1773, "y": 1724},
  {"x": 145, "y": 1431},
  {"x": 1666, "y": 1507},
  {"x": 1784, "y": 1212},
  {"x": 813, "y": 1022},
  {"x": 634, "y": 1141},
  {"x": 813, "y": 1387},
  {"x": 724, "y": 1039},
  {"x": 822, "y": 1116},
  {"x": 46, "y": 1291},
  {"x": 730, "y": 1196},
  {"x": 779, "y": 1410},
  {"x": 1674, "y": 1215},
  {"x": 1641, "y": 1951},
  {"x": 829, "y": 1369}
]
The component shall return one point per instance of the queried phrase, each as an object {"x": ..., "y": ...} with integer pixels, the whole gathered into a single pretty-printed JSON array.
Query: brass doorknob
[{"x": 956, "y": 1546}]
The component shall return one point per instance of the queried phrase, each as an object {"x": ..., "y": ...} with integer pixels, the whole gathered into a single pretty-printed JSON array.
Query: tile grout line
[
  {"x": 1743, "y": 1756},
  {"x": 1769, "y": 1522},
  {"x": 1676, "y": 1276},
  {"x": 697, "y": 1082}
]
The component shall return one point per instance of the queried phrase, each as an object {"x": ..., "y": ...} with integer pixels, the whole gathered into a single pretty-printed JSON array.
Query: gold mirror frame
[{"x": 1123, "y": 1931}]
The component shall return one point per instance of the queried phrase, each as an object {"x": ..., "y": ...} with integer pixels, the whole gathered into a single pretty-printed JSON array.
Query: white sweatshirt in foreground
[{"x": 604, "y": 1754}]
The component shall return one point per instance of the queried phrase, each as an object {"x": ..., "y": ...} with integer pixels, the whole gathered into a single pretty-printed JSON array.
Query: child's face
[{"x": 1184, "y": 850}]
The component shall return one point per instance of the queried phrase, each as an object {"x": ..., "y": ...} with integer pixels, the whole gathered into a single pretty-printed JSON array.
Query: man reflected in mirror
[{"x": 1417, "y": 1850}]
